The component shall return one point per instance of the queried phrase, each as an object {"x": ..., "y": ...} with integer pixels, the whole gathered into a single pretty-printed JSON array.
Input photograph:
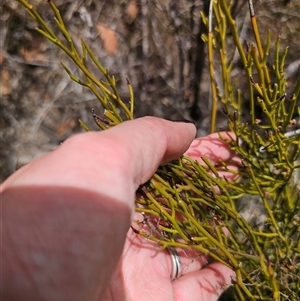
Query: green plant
[{"x": 265, "y": 257}]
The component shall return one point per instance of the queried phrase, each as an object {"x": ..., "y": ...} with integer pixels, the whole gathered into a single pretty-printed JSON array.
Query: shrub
[{"x": 264, "y": 254}]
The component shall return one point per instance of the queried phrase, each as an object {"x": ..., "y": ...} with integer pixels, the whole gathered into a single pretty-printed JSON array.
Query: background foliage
[{"x": 158, "y": 48}]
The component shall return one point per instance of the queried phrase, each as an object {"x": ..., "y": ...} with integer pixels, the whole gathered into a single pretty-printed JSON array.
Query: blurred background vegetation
[{"x": 156, "y": 44}]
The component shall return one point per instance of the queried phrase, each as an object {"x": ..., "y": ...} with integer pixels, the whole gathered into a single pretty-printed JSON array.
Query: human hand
[
  {"x": 144, "y": 269},
  {"x": 65, "y": 217}
]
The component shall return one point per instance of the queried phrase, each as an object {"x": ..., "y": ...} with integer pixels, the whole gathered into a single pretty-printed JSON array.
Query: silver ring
[{"x": 176, "y": 263}]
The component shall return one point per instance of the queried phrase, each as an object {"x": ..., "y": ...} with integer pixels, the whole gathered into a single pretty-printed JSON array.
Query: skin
[{"x": 65, "y": 220}]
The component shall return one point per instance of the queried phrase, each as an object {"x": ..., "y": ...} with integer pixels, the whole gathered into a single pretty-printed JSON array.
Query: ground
[{"x": 152, "y": 43}]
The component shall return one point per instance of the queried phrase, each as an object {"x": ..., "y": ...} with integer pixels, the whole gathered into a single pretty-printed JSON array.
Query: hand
[
  {"x": 65, "y": 217},
  {"x": 144, "y": 269},
  {"x": 143, "y": 272}
]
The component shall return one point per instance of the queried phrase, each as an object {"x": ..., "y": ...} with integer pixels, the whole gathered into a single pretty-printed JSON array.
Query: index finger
[
  {"x": 217, "y": 151},
  {"x": 211, "y": 147}
]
